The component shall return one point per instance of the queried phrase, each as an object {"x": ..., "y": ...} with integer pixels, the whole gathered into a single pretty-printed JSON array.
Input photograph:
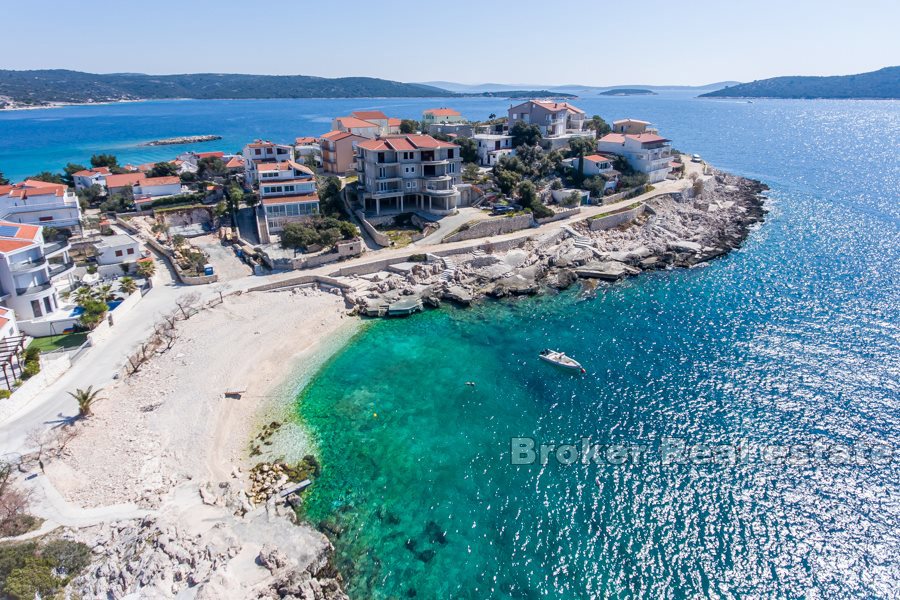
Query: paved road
[
  {"x": 99, "y": 364},
  {"x": 451, "y": 224}
]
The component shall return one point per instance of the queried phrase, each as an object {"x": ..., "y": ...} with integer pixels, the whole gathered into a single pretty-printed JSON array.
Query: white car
[{"x": 696, "y": 158}]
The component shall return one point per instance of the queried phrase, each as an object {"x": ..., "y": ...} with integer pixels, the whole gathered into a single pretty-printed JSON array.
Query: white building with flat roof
[
  {"x": 40, "y": 203},
  {"x": 491, "y": 146},
  {"x": 647, "y": 153}
]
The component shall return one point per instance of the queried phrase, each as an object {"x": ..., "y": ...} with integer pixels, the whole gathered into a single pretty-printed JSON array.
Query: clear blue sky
[{"x": 599, "y": 42}]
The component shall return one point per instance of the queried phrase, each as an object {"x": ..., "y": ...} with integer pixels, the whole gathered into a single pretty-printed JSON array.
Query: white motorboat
[{"x": 559, "y": 359}]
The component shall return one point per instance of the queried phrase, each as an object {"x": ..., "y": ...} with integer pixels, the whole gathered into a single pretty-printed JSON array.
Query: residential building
[
  {"x": 597, "y": 164},
  {"x": 187, "y": 162},
  {"x": 88, "y": 177},
  {"x": 235, "y": 164},
  {"x": 491, "y": 146},
  {"x": 30, "y": 270},
  {"x": 646, "y": 152},
  {"x": 393, "y": 126},
  {"x": 408, "y": 172},
  {"x": 118, "y": 249},
  {"x": 12, "y": 344},
  {"x": 441, "y": 115},
  {"x": 123, "y": 183},
  {"x": 357, "y": 126},
  {"x": 263, "y": 152},
  {"x": 632, "y": 127},
  {"x": 287, "y": 193},
  {"x": 555, "y": 119},
  {"x": 308, "y": 146},
  {"x": 40, "y": 203},
  {"x": 450, "y": 129},
  {"x": 339, "y": 151}
]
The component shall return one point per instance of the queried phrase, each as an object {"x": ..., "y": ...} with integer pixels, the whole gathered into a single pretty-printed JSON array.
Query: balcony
[
  {"x": 24, "y": 267},
  {"x": 60, "y": 268},
  {"x": 34, "y": 289},
  {"x": 54, "y": 247}
]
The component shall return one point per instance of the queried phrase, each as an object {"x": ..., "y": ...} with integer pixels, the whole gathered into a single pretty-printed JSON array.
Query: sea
[{"x": 736, "y": 433}]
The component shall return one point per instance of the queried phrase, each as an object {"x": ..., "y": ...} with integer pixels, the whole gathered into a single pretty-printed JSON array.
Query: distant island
[
  {"x": 20, "y": 89},
  {"x": 186, "y": 139},
  {"x": 521, "y": 94},
  {"x": 882, "y": 84},
  {"x": 627, "y": 92}
]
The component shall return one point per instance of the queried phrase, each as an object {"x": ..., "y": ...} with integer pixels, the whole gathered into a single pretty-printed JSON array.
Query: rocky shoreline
[
  {"x": 704, "y": 222},
  {"x": 187, "y": 139}
]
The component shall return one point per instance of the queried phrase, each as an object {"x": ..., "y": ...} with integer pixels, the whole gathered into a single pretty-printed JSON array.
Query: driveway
[
  {"x": 450, "y": 224},
  {"x": 223, "y": 259}
]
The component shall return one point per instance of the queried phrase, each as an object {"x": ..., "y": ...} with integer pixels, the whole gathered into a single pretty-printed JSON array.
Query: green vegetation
[
  {"x": 468, "y": 149},
  {"x": 881, "y": 84},
  {"x": 3, "y": 180},
  {"x": 528, "y": 198},
  {"x": 127, "y": 285},
  {"x": 409, "y": 126},
  {"x": 146, "y": 268},
  {"x": 525, "y": 134},
  {"x": 58, "y": 85},
  {"x": 163, "y": 169},
  {"x": 330, "y": 203},
  {"x": 598, "y": 126},
  {"x": 32, "y": 569},
  {"x": 85, "y": 399},
  {"x": 104, "y": 160},
  {"x": 56, "y": 342},
  {"x": 48, "y": 177},
  {"x": 317, "y": 231},
  {"x": 32, "y": 362}
]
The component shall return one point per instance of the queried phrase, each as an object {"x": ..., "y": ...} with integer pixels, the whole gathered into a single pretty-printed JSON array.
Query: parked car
[
  {"x": 503, "y": 209},
  {"x": 696, "y": 158}
]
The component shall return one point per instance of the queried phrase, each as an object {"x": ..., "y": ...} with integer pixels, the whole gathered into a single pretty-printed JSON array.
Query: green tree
[
  {"x": 89, "y": 196},
  {"x": 85, "y": 399},
  {"x": 71, "y": 169},
  {"x": 211, "y": 166},
  {"x": 409, "y": 126},
  {"x": 528, "y": 198},
  {"x": 580, "y": 147},
  {"x": 572, "y": 199},
  {"x": 330, "y": 203},
  {"x": 163, "y": 169},
  {"x": 471, "y": 173},
  {"x": 235, "y": 196},
  {"x": 34, "y": 579},
  {"x": 598, "y": 125},
  {"x": 3, "y": 180},
  {"x": 94, "y": 311},
  {"x": 48, "y": 177},
  {"x": 525, "y": 134},
  {"x": 104, "y": 160},
  {"x": 311, "y": 161},
  {"x": 506, "y": 180},
  {"x": 468, "y": 149}
]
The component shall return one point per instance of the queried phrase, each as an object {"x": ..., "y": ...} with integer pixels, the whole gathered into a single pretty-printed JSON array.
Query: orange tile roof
[
  {"x": 24, "y": 236},
  {"x": 354, "y": 123},
  {"x": 405, "y": 142},
  {"x": 647, "y": 138},
  {"x": 305, "y": 140},
  {"x": 369, "y": 114},
  {"x": 442, "y": 112},
  {"x": 8, "y": 245},
  {"x": 304, "y": 199},
  {"x": 394, "y": 122},
  {"x": 33, "y": 187},
  {"x": 216, "y": 154},
  {"x": 597, "y": 158},
  {"x": 235, "y": 163},
  {"x": 337, "y": 135},
  {"x": 613, "y": 138},
  {"x": 124, "y": 179},
  {"x": 282, "y": 166},
  {"x": 92, "y": 172},
  {"x": 160, "y": 181}
]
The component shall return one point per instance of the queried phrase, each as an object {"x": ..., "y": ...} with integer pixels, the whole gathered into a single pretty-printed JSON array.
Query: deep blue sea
[{"x": 748, "y": 412}]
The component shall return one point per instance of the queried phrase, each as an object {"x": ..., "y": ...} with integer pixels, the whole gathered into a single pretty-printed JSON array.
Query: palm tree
[
  {"x": 85, "y": 399},
  {"x": 146, "y": 269},
  {"x": 127, "y": 285},
  {"x": 83, "y": 294},
  {"x": 104, "y": 293}
]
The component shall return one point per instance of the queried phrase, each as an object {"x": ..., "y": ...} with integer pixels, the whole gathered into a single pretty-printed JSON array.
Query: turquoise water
[{"x": 790, "y": 342}]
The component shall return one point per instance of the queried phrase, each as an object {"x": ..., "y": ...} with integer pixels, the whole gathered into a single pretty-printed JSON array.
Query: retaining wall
[
  {"x": 380, "y": 238},
  {"x": 559, "y": 216},
  {"x": 615, "y": 219},
  {"x": 490, "y": 227},
  {"x": 185, "y": 279}
]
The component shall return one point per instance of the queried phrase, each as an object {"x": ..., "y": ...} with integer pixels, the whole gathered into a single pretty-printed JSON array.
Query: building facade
[
  {"x": 441, "y": 115},
  {"x": 287, "y": 193},
  {"x": 492, "y": 146},
  {"x": 554, "y": 119},
  {"x": 262, "y": 152},
  {"x": 85, "y": 179},
  {"x": 647, "y": 153},
  {"x": 339, "y": 151},
  {"x": 40, "y": 203},
  {"x": 404, "y": 173}
]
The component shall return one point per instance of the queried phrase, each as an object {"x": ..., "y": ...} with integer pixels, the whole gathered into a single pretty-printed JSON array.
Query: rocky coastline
[
  {"x": 684, "y": 229},
  {"x": 187, "y": 139}
]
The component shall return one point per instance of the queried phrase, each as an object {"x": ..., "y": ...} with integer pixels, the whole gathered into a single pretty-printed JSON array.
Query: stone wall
[
  {"x": 489, "y": 227},
  {"x": 565, "y": 214},
  {"x": 616, "y": 219},
  {"x": 160, "y": 249},
  {"x": 380, "y": 239}
]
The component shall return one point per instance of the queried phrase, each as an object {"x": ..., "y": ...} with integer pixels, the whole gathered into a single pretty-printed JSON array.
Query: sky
[{"x": 599, "y": 42}]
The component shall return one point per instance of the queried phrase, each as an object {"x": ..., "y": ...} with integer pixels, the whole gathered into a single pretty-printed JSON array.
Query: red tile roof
[
  {"x": 160, "y": 181},
  {"x": 23, "y": 237},
  {"x": 354, "y": 123},
  {"x": 394, "y": 122},
  {"x": 442, "y": 112},
  {"x": 613, "y": 138},
  {"x": 597, "y": 158},
  {"x": 558, "y": 106},
  {"x": 125, "y": 179},
  {"x": 647, "y": 138},
  {"x": 405, "y": 143},
  {"x": 235, "y": 163},
  {"x": 365, "y": 115},
  {"x": 92, "y": 172},
  {"x": 337, "y": 134},
  {"x": 305, "y": 140},
  {"x": 32, "y": 187},
  {"x": 210, "y": 154}
]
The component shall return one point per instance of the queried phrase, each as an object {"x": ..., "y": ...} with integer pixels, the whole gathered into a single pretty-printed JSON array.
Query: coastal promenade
[{"x": 100, "y": 365}]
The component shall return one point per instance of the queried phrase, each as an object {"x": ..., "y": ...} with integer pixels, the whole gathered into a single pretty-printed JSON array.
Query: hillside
[
  {"x": 54, "y": 86},
  {"x": 628, "y": 92},
  {"x": 881, "y": 84}
]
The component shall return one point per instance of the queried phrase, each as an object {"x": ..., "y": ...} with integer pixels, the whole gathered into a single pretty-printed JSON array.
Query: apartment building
[
  {"x": 287, "y": 193},
  {"x": 89, "y": 177},
  {"x": 408, "y": 172},
  {"x": 40, "y": 203},
  {"x": 31, "y": 270},
  {"x": 554, "y": 119},
  {"x": 441, "y": 115},
  {"x": 647, "y": 153},
  {"x": 339, "y": 151},
  {"x": 263, "y": 152},
  {"x": 492, "y": 146}
]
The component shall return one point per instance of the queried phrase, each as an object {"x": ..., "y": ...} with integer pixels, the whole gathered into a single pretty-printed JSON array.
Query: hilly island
[{"x": 882, "y": 85}]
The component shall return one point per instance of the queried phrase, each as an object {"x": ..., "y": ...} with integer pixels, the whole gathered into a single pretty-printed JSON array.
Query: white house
[
  {"x": 287, "y": 193},
  {"x": 491, "y": 146},
  {"x": 118, "y": 249},
  {"x": 646, "y": 152},
  {"x": 441, "y": 115},
  {"x": 632, "y": 126},
  {"x": 40, "y": 203},
  {"x": 88, "y": 177},
  {"x": 31, "y": 271},
  {"x": 263, "y": 152}
]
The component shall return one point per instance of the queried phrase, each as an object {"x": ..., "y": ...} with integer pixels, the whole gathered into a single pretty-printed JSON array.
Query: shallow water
[{"x": 790, "y": 343}]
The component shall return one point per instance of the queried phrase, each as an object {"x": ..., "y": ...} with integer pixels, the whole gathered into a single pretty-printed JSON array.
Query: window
[
  {"x": 45, "y": 219},
  {"x": 118, "y": 253},
  {"x": 257, "y": 152},
  {"x": 36, "y": 308},
  {"x": 131, "y": 251},
  {"x": 48, "y": 305}
]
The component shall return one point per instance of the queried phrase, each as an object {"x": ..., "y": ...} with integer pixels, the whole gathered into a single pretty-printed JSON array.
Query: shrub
[
  {"x": 31, "y": 369},
  {"x": 34, "y": 579},
  {"x": 68, "y": 557},
  {"x": 5, "y": 394},
  {"x": 32, "y": 353}
]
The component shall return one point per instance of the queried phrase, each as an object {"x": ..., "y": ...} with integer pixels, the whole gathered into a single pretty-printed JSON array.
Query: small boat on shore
[{"x": 559, "y": 359}]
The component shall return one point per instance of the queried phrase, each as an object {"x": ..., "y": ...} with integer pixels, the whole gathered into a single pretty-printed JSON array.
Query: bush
[
  {"x": 34, "y": 579},
  {"x": 318, "y": 231},
  {"x": 5, "y": 394},
  {"x": 31, "y": 369},
  {"x": 69, "y": 557},
  {"x": 32, "y": 353},
  {"x": 18, "y": 524},
  {"x": 29, "y": 570}
]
